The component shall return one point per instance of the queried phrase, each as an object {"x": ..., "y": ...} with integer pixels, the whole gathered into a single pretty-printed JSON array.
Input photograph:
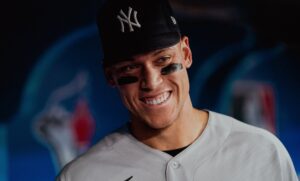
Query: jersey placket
[{"x": 175, "y": 171}]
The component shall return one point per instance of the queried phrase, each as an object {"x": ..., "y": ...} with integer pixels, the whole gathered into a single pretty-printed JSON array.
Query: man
[{"x": 146, "y": 59}]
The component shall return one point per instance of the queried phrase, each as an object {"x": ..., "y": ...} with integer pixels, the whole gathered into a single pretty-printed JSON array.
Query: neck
[{"x": 183, "y": 131}]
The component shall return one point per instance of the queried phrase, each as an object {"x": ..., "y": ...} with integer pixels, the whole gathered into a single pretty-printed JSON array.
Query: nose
[{"x": 151, "y": 79}]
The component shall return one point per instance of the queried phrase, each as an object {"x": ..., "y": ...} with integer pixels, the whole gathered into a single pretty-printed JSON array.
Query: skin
[{"x": 169, "y": 125}]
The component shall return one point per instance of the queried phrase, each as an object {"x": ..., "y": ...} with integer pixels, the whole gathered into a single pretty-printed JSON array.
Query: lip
[{"x": 155, "y": 96}]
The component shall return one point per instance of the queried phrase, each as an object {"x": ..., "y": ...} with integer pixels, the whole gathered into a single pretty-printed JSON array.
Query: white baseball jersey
[{"x": 227, "y": 150}]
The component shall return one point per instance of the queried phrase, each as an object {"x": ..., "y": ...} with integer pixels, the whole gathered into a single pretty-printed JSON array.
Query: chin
[
  {"x": 159, "y": 123},
  {"x": 154, "y": 120}
]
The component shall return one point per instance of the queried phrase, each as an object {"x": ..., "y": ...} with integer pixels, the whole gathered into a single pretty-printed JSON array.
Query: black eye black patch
[
  {"x": 171, "y": 68},
  {"x": 164, "y": 71},
  {"x": 127, "y": 80}
]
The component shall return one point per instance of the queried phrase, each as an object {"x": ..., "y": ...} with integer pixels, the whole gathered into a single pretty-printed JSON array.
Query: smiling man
[
  {"x": 146, "y": 59},
  {"x": 154, "y": 87}
]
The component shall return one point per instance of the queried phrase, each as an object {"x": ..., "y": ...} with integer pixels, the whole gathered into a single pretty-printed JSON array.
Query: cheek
[
  {"x": 129, "y": 94},
  {"x": 181, "y": 81}
]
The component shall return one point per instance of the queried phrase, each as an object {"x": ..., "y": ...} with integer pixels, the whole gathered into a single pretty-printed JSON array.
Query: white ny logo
[{"x": 126, "y": 19}]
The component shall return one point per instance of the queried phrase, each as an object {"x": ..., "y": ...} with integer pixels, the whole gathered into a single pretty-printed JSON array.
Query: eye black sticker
[
  {"x": 164, "y": 71},
  {"x": 127, "y": 80},
  {"x": 171, "y": 68}
]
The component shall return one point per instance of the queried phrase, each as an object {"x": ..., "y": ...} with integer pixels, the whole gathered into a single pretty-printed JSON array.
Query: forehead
[{"x": 144, "y": 57}]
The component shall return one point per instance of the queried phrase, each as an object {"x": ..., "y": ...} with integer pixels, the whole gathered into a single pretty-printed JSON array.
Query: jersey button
[{"x": 175, "y": 164}]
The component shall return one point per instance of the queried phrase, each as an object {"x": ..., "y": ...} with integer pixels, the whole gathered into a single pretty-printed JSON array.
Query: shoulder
[
  {"x": 93, "y": 161},
  {"x": 248, "y": 134},
  {"x": 256, "y": 145}
]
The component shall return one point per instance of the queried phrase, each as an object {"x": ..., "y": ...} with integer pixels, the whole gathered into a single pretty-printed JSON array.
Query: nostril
[{"x": 146, "y": 89}]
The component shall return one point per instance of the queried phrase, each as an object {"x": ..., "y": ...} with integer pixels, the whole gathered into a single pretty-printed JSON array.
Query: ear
[
  {"x": 109, "y": 76},
  {"x": 186, "y": 52}
]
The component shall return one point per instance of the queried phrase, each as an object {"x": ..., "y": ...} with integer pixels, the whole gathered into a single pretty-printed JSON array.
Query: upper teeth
[{"x": 158, "y": 99}]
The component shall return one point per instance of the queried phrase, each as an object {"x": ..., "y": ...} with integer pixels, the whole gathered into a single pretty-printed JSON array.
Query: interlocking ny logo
[{"x": 127, "y": 19}]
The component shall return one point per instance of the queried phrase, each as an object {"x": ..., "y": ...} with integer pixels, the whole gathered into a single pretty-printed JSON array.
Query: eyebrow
[
  {"x": 159, "y": 51},
  {"x": 124, "y": 62},
  {"x": 131, "y": 59}
]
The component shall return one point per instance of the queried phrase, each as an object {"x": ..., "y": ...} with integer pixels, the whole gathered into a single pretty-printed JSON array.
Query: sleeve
[{"x": 287, "y": 169}]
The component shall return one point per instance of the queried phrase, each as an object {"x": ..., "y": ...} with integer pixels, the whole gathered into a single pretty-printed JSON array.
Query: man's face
[{"x": 154, "y": 86}]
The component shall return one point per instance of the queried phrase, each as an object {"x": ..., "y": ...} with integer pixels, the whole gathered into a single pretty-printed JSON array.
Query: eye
[
  {"x": 163, "y": 60},
  {"x": 128, "y": 68}
]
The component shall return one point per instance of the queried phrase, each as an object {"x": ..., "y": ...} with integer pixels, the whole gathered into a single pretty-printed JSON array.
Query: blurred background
[{"x": 54, "y": 102}]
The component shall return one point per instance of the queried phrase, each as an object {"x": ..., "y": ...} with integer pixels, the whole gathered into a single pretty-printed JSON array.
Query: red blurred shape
[
  {"x": 83, "y": 124},
  {"x": 268, "y": 104}
]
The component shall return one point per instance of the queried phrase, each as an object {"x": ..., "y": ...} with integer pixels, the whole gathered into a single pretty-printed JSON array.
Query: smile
[{"x": 157, "y": 99}]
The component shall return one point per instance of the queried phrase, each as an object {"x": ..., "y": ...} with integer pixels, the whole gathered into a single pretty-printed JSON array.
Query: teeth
[{"x": 157, "y": 100}]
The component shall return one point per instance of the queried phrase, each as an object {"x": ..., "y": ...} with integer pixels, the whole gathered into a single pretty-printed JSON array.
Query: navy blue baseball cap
[{"x": 132, "y": 27}]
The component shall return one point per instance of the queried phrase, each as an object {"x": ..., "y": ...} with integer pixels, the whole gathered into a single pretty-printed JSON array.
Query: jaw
[
  {"x": 158, "y": 131},
  {"x": 160, "y": 110}
]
